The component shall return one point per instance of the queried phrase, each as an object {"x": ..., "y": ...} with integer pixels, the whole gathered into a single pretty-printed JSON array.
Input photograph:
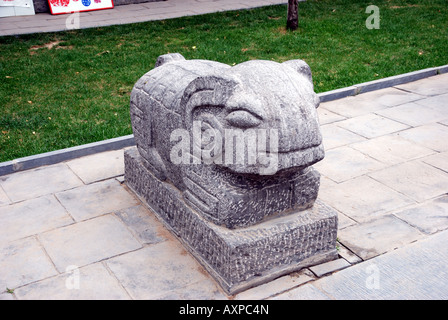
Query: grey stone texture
[
  {"x": 408, "y": 230},
  {"x": 414, "y": 272},
  {"x": 222, "y": 99},
  {"x": 242, "y": 221},
  {"x": 242, "y": 257},
  {"x": 39, "y": 182}
]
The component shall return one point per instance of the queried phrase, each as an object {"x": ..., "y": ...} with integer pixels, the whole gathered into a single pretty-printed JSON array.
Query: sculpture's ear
[
  {"x": 205, "y": 91},
  {"x": 167, "y": 58},
  {"x": 301, "y": 67}
]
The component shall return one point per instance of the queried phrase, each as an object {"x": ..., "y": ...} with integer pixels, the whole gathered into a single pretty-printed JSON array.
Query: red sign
[{"x": 70, "y": 6}]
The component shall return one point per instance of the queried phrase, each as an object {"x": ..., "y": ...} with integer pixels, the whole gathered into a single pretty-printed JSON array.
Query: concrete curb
[
  {"x": 381, "y": 83},
  {"x": 58, "y": 156}
]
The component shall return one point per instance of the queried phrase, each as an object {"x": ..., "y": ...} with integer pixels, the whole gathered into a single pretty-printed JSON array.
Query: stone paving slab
[
  {"x": 439, "y": 102},
  {"x": 427, "y": 87},
  {"x": 415, "y": 179},
  {"x": 378, "y": 236},
  {"x": 429, "y": 217},
  {"x": 22, "y": 262},
  {"x": 433, "y": 136},
  {"x": 152, "y": 273},
  {"x": 31, "y": 217},
  {"x": 363, "y": 198},
  {"x": 98, "y": 167},
  {"x": 439, "y": 160},
  {"x": 96, "y": 199},
  {"x": 144, "y": 226},
  {"x": 414, "y": 272},
  {"x": 329, "y": 267},
  {"x": 372, "y": 126},
  {"x": 344, "y": 163},
  {"x": 327, "y": 116},
  {"x": 41, "y": 181},
  {"x": 335, "y": 136},
  {"x": 305, "y": 292},
  {"x": 415, "y": 114},
  {"x": 88, "y": 242},
  {"x": 93, "y": 282},
  {"x": 392, "y": 149},
  {"x": 272, "y": 288},
  {"x": 4, "y": 200}
]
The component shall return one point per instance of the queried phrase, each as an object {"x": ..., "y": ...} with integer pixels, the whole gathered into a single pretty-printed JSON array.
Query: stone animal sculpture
[{"x": 274, "y": 101}]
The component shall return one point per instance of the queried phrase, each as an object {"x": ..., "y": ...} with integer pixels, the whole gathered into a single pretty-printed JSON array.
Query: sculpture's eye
[{"x": 243, "y": 119}]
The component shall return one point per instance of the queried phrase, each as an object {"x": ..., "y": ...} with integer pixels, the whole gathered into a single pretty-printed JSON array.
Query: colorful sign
[{"x": 70, "y": 6}]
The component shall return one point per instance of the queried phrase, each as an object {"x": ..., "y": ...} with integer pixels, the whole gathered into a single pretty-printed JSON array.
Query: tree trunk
[{"x": 293, "y": 15}]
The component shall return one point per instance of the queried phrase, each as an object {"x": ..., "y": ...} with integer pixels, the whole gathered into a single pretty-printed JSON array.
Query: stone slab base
[{"x": 240, "y": 258}]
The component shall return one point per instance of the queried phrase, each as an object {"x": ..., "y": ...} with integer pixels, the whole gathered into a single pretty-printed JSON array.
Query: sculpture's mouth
[{"x": 269, "y": 163}]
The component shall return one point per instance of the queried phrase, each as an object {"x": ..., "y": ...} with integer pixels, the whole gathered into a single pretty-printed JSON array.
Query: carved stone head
[{"x": 237, "y": 141}]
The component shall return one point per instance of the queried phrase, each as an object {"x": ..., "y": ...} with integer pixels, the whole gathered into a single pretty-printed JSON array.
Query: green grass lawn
[{"x": 64, "y": 89}]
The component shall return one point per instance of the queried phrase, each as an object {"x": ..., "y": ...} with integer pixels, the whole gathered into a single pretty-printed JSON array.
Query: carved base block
[{"x": 244, "y": 257}]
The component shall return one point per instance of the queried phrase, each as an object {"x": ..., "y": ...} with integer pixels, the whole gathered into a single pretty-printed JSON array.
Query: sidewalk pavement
[
  {"x": 132, "y": 13},
  {"x": 73, "y": 230}
]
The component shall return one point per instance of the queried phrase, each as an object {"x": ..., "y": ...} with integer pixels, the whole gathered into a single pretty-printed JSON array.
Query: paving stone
[
  {"x": 93, "y": 282},
  {"x": 305, "y": 292},
  {"x": 413, "y": 114},
  {"x": 88, "y": 242},
  {"x": 6, "y": 296},
  {"x": 152, "y": 273},
  {"x": 415, "y": 179},
  {"x": 370, "y": 102},
  {"x": 391, "y": 149},
  {"x": 391, "y": 97},
  {"x": 439, "y": 160},
  {"x": 31, "y": 217},
  {"x": 276, "y": 286},
  {"x": 348, "y": 255},
  {"x": 344, "y": 163},
  {"x": 372, "y": 125},
  {"x": 363, "y": 198},
  {"x": 375, "y": 237},
  {"x": 202, "y": 290},
  {"x": 143, "y": 224},
  {"x": 22, "y": 262},
  {"x": 96, "y": 199},
  {"x": 429, "y": 86},
  {"x": 434, "y": 136},
  {"x": 415, "y": 272},
  {"x": 334, "y": 136},
  {"x": 326, "y": 116},
  {"x": 439, "y": 102},
  {"x": 350, "y": 107},
  {"x": 4, "y": 200},
  {"x": 42, "y": 181},
  {"x": 326, "y": 187},
  {"x": 329, "y": 267},
  {"x": 429, "y": 217},
  {"x": 98, "y": 167}
]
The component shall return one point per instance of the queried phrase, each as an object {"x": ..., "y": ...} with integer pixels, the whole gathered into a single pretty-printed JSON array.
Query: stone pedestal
[{"x": 243, "y": 257}]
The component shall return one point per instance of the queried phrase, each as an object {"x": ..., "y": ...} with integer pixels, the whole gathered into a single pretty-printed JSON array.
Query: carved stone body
[
  {"x": 224, "y": 158},
  {"x": 269, "y": 100}
]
